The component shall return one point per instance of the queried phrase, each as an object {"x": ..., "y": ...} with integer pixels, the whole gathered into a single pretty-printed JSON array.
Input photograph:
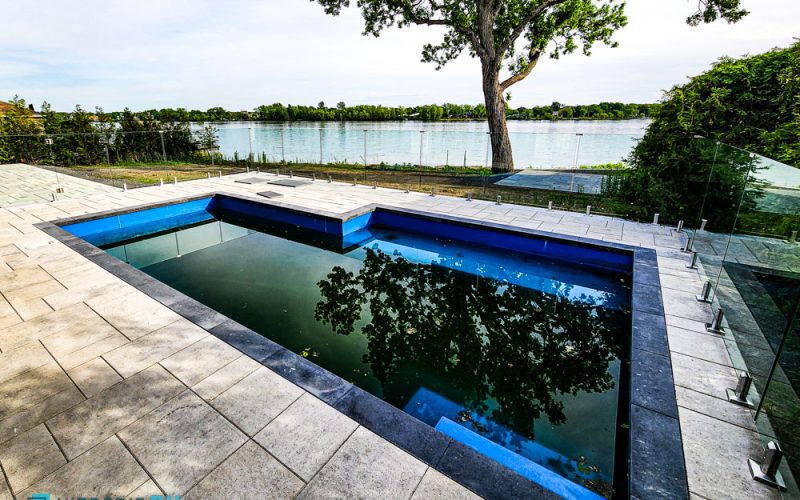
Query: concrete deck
[
  {"x": 23, "y": 185},
  {"x": 103, "y": 390}
]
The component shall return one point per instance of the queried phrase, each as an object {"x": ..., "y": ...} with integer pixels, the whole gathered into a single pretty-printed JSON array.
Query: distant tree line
[{"x": 429, "y": 112}]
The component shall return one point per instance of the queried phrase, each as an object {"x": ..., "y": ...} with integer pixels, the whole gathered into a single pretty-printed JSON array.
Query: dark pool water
[{"x": 524, "y": 351}]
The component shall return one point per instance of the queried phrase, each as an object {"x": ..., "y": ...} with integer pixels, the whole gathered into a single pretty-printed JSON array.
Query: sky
[{"x": 239, "y": 54}]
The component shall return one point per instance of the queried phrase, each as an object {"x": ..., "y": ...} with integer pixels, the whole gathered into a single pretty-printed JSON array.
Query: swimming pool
[{"x": 516, "y": 345}]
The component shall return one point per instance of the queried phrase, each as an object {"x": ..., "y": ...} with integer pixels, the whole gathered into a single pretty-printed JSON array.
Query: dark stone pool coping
[{"x": 655, "y": 453}]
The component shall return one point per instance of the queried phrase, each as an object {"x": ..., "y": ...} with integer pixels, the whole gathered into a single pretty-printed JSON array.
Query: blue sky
[{"x": 239, "y": 54}]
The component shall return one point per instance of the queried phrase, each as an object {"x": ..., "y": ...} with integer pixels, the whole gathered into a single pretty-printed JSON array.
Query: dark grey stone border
[{"x": 655, "y": 453}]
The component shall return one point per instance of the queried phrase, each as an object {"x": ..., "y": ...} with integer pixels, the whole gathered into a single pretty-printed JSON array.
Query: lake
[{"x": 537, "y": 144}]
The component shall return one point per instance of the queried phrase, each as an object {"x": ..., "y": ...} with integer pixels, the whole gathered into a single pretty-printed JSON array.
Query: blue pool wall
[
  {"x": 126, "y": 226},
  {"x": 353, "y": 230}
]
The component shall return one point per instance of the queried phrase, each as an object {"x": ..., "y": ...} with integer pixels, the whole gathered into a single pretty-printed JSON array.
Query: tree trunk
[{"x": 502, "y": 160}]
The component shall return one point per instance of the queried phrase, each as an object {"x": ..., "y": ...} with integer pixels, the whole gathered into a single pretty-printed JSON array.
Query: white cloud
[{"x": 239, "y": 54}]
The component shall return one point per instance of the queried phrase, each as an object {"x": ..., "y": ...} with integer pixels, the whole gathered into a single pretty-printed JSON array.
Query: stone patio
[
  {"x": 23, "y": 185},
  {"x": 105, "y": 391}
]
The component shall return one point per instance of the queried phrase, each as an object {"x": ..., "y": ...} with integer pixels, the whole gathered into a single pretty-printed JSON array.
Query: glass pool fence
[{"x": 737, "y": 213}]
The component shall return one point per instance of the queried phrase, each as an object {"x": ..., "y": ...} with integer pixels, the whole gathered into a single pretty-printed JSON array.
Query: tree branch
[
  {"x": 533, "y": 58},
  {"x": 546, "y": 4},
  {"x": 444, "y": 22}
]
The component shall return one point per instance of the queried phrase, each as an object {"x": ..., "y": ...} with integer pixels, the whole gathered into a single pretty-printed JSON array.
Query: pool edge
[{"x": 655, "y": 449}]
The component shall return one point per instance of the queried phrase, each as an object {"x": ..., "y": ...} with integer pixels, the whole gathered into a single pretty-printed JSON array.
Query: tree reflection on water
[{"x": 510, "y": 351}]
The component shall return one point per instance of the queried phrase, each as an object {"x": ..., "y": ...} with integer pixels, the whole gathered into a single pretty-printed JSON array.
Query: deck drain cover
[
  {"x": 289, "y": 182},
  {"x": 251, "y": 180},
  {"x": 269, "y": 194}
]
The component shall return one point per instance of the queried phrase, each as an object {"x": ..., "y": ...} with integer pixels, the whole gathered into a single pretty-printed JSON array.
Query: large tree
[
  {"x": 501, "y": 33},
  {"x": 510, "y": 33}
]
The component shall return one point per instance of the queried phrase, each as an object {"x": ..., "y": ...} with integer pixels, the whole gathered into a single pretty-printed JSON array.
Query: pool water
[{"x": 522, "y": 350}]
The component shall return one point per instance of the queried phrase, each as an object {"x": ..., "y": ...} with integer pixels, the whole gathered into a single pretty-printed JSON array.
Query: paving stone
[
  {"x": 29, "y": 309},
  {"x": 43, "y": 326},
  {"x": 92, "y": 421},
  {"x": 94, "y": 376},
  {"x": 702, "y": 376},
  {"x": 146, "y": 491},
  {"x": 30, "y": 387},
  {"x": 710, "y": 347},
  {"x": 258, "y": 398},
  {"x": 29, "y": 457},
  {"x": 182, "y": 441},
  {"x": 17, "y": 361},
  {"x": 154, "y": 347},
  {"x": 306, "y": 435},
  {"x": 251, "y": 473},
  {"x": 366, "y": 466},
  {"x": 107, "y": 470},
  {"x": 437, "y": 486},
  {"x": 5, "y": 493},
  {"x": 686, "y": 306},
  {"x": 224, "y": 378},
  {"x": 133, "y": 313},
  {"x": 78, "y": 344},
  {"x": 8, "y": 316},
  {"x": 716, "y": 407},
  {"x": 723, "y": 473},
  {"x": 200, "y": 360},
  {"x": 39, "y": 412}
]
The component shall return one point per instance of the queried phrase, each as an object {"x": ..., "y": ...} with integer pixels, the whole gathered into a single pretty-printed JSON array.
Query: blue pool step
[{"x": 519, "y": 464}]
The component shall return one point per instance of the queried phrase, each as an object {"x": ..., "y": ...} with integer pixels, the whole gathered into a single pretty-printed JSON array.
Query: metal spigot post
[
  {"x": 738, "y": 395},
  {"x": 767, "y": 472}
]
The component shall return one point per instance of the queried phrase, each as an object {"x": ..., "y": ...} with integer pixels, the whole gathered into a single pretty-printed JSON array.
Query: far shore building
[{"x": 6, "y": 106}]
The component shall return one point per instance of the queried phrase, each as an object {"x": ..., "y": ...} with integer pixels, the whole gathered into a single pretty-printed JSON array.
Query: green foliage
[
  {"x": 710, "y": 10},
  {"x": 5, "y": 147},
  {"x": 605, "y": 166},
  {"x": 752, "y": 103},
  {"x": 20, "y": 127},
  {"x": 426, "y": 112}
]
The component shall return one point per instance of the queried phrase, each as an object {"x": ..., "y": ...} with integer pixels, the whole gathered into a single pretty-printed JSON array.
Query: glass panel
[{"x": 758, "y": 287}]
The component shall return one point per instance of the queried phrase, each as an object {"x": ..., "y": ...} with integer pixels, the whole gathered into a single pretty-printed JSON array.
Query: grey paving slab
[
  {"x": 366, "y": 467},
  {"x": 710, "y": 347},
  {"x": 702, "y": 376},
  {"x": 224, "y": 378},
  {"x": 83, "y": 426},
  {"x": 107, "y": 470},
  {"x": 43, "y": 326},
  {"x": 146, "y": 491},
  {"x": 182, "y": 441},
  {"x": 94, "y": 337},
  {"x": 437, "y": 486},
  {"x": 27, "y": 357},
  {"x": 29, "y": 457},
  {"x": 715, "y": 406},
  {"x": 126, "y": 312},
  {"x": 199, "y": 360},
  {"x": 30, "y": 388},
  {"x": 731, "y": 445},
  {"x": 255, "y": 400},
  {"x": 23, "y": 184},
  {"x": 251, "y": 472},
  {"x": 137, "y": 355},
  {"x": 306, "y": 435},
  {"x": 37, "y": 413},
  {"x": 94, "y": 376},
  {"x": 5, "y": 492}
]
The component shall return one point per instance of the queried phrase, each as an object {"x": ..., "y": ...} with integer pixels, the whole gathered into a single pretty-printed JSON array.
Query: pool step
[{"x": 519, "y": 464}]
